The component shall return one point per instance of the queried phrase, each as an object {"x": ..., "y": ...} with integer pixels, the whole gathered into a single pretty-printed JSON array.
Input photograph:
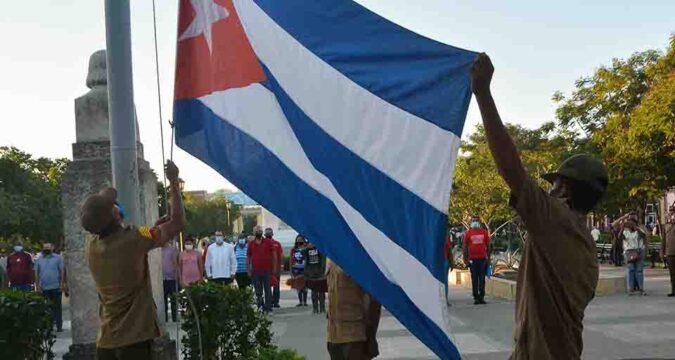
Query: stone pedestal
[{"x": 89, "y": 172}]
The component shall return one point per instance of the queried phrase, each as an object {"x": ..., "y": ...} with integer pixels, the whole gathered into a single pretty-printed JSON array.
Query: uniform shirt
[
  {"x": 557, "y": 277},
  {"x": 189, "y": 261},
  {"x": 241, "y": 252},
  {"x": 477, "y": 242},
  {"x": 346, "y": 307},
  {"x": 260, "y": 255},
  {"x": 49, "y": 270},
  {"x": 670, "y": 240},
  {"x": 20, "y": 268},
  {"x": 221, "y": 261},
  {"x": 119, "y": 266}
]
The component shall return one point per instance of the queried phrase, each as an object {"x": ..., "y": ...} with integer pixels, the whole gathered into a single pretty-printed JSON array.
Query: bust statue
[{"x": 91, "y": 109}]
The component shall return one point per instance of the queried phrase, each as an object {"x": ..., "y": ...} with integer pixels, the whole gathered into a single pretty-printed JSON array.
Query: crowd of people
[
  {"x": 557, "y": 276},
  {"x": 42, "y": 271}
]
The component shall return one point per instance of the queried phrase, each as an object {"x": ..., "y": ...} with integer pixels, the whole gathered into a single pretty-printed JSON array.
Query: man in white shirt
[
  {"x": 221, "y": 261},
  {"x": 595, "y": 233}
]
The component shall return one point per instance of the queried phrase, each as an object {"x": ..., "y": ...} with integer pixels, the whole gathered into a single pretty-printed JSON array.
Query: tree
[
  {"x": 479, "y": 190},
  {"x": 30, "y": 197},
  {"x": 207, "y": 216},
  {"x": 626, "y": 113}
]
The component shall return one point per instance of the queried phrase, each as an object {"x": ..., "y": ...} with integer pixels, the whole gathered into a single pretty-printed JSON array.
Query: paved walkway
[{"x": 616, "y": 327}]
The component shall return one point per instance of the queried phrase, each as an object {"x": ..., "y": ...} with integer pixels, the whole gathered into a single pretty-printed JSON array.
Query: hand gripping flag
[{"x": 341, "y": 123}]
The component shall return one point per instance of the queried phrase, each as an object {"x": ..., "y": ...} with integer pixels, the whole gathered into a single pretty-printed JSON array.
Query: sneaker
[
  {"x": 476, "y": 302},
  {"x": 276, "y": 306},
  {"x": 299, "y": 305},
  {"x": 482, "y": 302},
  {"x": 671, "y": 294},
  {"x": 305, "y": 304}
]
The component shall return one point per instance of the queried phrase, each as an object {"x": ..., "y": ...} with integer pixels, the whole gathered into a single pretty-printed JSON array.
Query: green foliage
[
  {"x": 279, "y": 354},
  {"x": 478, "y": 188},
  {"x": 204, "y": 217},
  {"x": 626, "y": 112},
  {"x": 26, "y": 331},
  {"x": 231, "y": 327},
  {"x": 30, "y": 197}
]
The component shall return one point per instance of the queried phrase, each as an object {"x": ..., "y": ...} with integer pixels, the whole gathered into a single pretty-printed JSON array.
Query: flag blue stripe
[
  {"x": 260, "y": 174},
  {"x": 417, "y": 74},
  {"x": 404, "y": 217}
]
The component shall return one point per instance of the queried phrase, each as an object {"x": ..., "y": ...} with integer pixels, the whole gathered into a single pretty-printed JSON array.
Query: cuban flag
[{"x": 340, "y": 122}]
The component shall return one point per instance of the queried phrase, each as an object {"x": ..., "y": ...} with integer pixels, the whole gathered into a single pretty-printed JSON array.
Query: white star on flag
[{"x": 207, "y": 13}]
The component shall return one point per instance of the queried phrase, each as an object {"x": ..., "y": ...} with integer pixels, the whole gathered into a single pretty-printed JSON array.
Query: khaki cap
[{"x": 96, "y": 212}]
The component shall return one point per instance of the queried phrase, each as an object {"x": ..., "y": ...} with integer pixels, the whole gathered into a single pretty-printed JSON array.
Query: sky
[{"x": 537, "y": 47}]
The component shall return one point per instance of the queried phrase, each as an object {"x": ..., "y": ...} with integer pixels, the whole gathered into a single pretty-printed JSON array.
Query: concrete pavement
[{"x": 616, "y": 327}]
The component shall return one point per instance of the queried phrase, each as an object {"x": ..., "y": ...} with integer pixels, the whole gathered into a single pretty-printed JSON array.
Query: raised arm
[
  {"x": 501, "y": 145},
  {"x": 171, "y": 228}
]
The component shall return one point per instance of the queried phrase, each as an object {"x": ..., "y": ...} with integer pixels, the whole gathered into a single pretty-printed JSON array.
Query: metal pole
[{"x": 121, "y": 108}]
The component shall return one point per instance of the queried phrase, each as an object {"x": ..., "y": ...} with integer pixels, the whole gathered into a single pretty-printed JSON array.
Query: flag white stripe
[
  {"x": 243, "y": 108},
  {"x": 417, "y": 154}
]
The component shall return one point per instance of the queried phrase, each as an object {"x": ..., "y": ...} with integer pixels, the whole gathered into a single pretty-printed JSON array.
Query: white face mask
[
  {"x": 189, "y": 247},
  {"x": 219, "y": 239},
  {"x": 18, "y": 248}
]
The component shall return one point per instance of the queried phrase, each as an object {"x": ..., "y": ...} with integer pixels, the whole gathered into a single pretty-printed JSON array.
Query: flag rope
[{"x": 164, "y": 188}]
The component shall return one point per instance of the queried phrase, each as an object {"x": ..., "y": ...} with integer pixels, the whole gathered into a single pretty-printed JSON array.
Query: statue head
[{"x": 97, "y": 75}]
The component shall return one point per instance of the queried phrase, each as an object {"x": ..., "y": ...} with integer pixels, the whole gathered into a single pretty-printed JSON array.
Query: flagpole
[{"x": 121, "y": 108}]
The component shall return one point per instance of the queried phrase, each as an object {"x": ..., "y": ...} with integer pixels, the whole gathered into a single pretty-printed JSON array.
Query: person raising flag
[{"x": 559, "y": 270}]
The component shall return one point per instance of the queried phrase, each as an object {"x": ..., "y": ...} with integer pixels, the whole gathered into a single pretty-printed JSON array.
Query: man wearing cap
[
  {"x": 117, "y": 256},
  {"x": 559, "y": 270}
]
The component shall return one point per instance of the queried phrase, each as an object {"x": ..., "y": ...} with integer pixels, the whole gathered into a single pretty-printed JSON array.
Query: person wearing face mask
[
  {"x": 262, "y": 260},
  {"x": 241, "y": 252},
  {"x": 297, "y": 263},
  {"x": 634, "y": 251},
  {"x": 221, "y": 262},
  {"x": 278, "y": 252},
  {"x": 117, "y": 255},
  {"x": 50, "y": 282},
  {"x": 558, "y": 271},
  {"x": 190, "y": 265},
  {"x": 20, "y": 269},
  {"x": 476, "y": 252},
  {"x": 169, "y": 274}
]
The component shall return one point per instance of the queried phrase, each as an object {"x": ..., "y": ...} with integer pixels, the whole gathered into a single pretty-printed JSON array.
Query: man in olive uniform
[
  {"x": 668, "y": 247},
  {"x": 353, "y": 318},
  {"x": 559, "y": 270},
  {"x": 117, "y": 256}
]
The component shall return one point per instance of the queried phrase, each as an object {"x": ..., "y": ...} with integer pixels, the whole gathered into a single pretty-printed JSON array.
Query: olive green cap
[{"x": 583, "y": 168}]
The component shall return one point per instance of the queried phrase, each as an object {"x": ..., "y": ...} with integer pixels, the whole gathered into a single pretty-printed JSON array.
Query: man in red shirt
[
  {"x": 261, "y": 263},
  {"x": 476, "y": 244},
  {"x": 20, "y": 269},
  {"x": 276, "y": 271}
]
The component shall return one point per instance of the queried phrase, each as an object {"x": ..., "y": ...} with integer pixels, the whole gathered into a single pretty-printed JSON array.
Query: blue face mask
[
  {"x": 242, "y": 242},
  {"x": 18, "y": 248},
  {"x": 121, "y": 209},
  {"x": 475, "y": 225}
]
